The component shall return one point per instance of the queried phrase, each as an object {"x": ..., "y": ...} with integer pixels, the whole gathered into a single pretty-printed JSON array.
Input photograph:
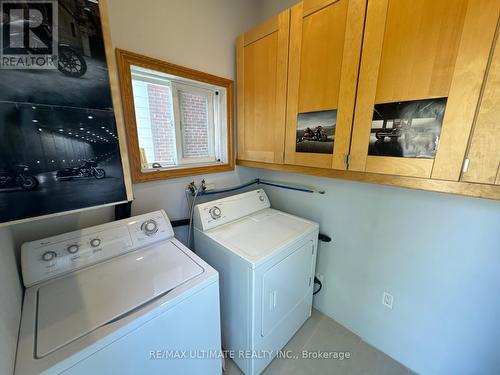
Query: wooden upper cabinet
[
  {"x": 483, "y": 156},
  {"x": 262, "y": 60},
  {"x": 422, "y": 67},
  {"x": 325, "y": 47}
]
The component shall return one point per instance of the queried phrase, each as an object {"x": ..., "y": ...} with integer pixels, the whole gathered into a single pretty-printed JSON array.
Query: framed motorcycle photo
[
  {"x": 316, "y": 132},
  {"x": 59, "y": 142}
]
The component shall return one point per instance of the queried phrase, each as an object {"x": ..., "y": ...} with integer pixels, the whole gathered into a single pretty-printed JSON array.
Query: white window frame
[{"x": 177, "y": 89}]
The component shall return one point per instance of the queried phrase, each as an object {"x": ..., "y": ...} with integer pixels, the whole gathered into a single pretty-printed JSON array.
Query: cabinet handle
[
  {"x": 347, "y": 160},
  {"x": 465, "y": 167}
]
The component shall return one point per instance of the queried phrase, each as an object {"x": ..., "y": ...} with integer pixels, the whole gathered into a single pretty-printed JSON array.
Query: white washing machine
[
  {"x": 120, "y": 298},
  {"x": 266, "y": 261}
]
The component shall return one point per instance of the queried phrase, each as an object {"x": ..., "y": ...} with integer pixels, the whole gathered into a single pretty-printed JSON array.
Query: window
[{"x": 177, "y": 119}]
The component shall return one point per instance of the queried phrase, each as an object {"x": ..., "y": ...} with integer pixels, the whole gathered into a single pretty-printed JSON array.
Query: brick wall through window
[
  {"x": 162, "y": 124},
  {"x": 194, "y": 125}
]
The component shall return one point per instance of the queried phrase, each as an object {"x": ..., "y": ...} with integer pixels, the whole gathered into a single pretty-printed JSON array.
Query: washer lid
[
  {"x": 75, "y": 305},
  {"x": 258, "y": 236}
]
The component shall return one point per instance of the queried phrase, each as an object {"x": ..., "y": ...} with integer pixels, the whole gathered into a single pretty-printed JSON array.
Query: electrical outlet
[
  {"x": 320, "y": 277},
  {"x": 387, "y": 300}
]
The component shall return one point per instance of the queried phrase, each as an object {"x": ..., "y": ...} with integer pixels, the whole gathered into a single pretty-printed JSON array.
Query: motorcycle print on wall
[
  {"x": 316, "y": 132},
  {"x": 89, "y": 168},
  {"x": 407, "y": 129},
  {"x": 59, "y": 147},
  {"x": 18, "y": 176}
]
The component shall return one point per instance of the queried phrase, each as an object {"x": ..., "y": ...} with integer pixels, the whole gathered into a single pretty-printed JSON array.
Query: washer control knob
[
  {"x": 261, "y": 198},
  {"x": 73, "y": 249},
  {"x": 48, "y": 256},
  {"x": 95, "y": 242},
  {"x": 149, "y": 227},
  {"x": 215, "y": 212}
]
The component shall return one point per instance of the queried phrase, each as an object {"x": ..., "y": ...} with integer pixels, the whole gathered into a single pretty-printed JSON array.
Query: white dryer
[
  {"x": 266, "y": 262},
  {"x": 120, "y": 298}
]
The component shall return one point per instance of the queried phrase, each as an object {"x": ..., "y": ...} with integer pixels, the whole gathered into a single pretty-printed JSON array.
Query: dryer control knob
[
  {"x": 215, "y": 212},
  {"x": 149, "y": 227},
  {"x": 48, "y": 256}
]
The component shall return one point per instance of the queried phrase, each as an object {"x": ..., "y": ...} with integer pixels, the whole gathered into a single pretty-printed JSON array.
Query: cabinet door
[
  {"x": 262, "y": 60},
  {"x": 483, "y": 157},
  {"x": 423, "y": 63},
  {"x": 325, "y": 47}
]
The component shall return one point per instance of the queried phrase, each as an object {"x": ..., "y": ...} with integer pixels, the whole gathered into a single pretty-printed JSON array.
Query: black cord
[{"x": 316, "y": 281}]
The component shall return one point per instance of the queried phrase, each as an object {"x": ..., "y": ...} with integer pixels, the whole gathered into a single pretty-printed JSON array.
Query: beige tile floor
[{"x": 322, "y": 333}]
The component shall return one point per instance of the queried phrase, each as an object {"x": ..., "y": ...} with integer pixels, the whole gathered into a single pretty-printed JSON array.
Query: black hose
[
  {"x": 258, "y": 181},
  {"x": 228, "y": 189},
  {"x": 316, "y": 281}
]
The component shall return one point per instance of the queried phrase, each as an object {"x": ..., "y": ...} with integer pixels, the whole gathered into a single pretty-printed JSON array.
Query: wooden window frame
[{"x": 125, "y": 59}]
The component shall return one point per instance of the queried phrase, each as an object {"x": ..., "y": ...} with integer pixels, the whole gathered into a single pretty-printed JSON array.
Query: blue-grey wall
[{"x": 438, "y": 254}]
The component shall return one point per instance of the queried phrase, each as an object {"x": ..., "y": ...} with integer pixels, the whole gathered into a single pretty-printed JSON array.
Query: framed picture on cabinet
[
  {"x": 408, "y": 129},
  {"x": 316, "y": 132},
  {"x": 59, "y": 140}
]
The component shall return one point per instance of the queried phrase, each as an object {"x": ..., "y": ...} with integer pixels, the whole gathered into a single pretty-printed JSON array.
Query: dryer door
[{"x": 285, "y": 285}]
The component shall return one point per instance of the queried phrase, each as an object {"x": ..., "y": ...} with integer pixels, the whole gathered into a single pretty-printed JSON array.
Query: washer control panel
[
  {"x": 50, "y": 257},
  {"x": 212, "y": 214}
]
